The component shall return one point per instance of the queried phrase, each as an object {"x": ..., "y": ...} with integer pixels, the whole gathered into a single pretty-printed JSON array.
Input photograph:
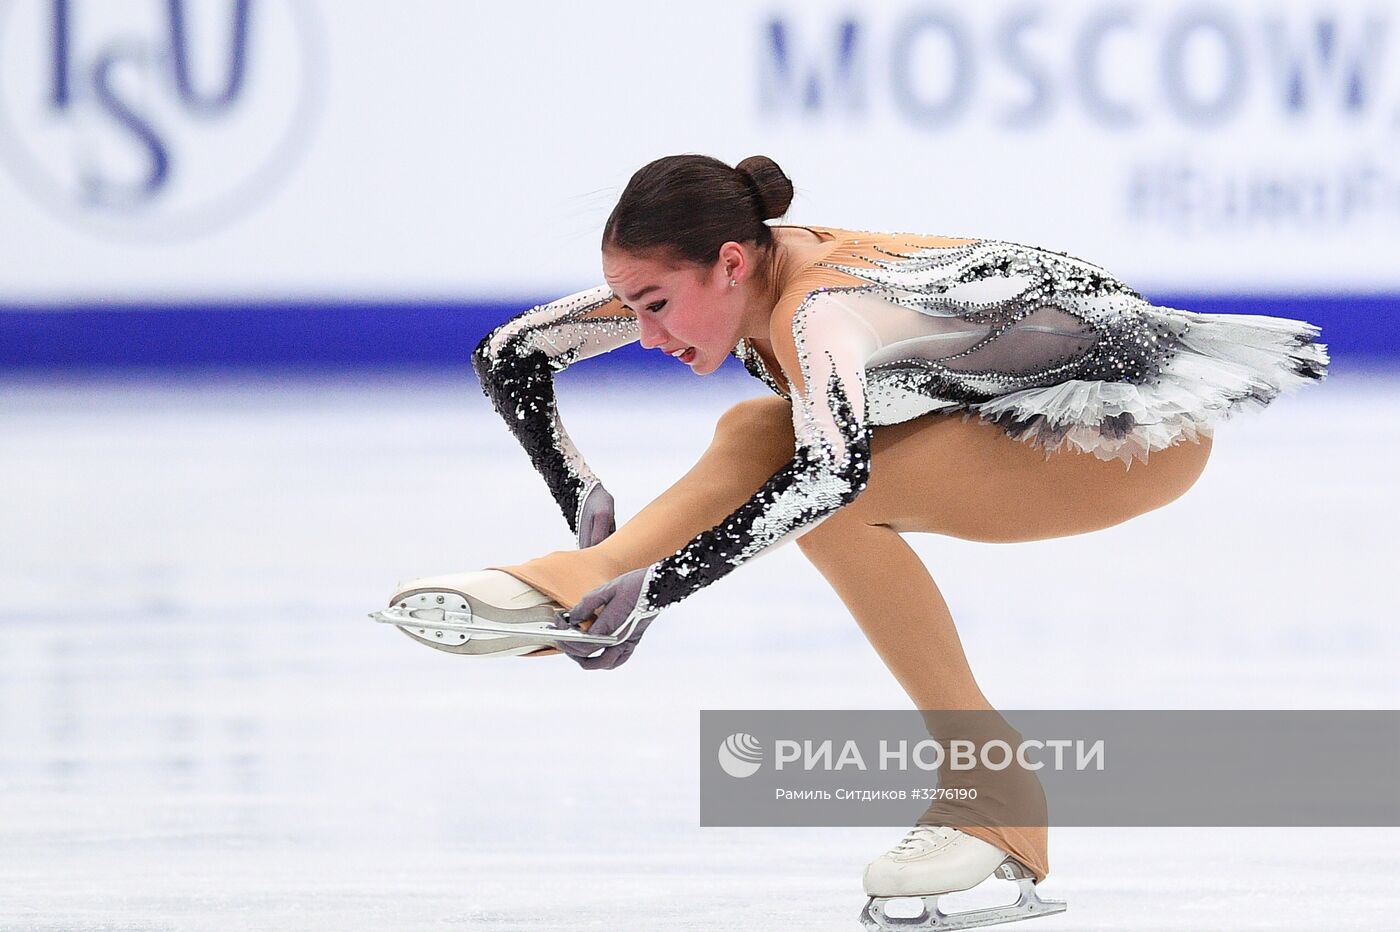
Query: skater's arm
[
  {"x": 516, "y": 363},
  {"x": 822, "y": 350}
]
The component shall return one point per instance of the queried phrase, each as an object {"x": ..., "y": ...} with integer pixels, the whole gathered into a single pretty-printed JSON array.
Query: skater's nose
[{"x": 653, "y": 334}]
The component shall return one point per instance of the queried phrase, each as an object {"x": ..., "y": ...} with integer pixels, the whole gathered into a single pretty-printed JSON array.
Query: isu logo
[{"x": 155, "y": 118}]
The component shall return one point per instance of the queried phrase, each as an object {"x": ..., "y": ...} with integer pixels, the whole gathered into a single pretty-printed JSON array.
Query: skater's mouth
[{"x": 686, "y": 355}]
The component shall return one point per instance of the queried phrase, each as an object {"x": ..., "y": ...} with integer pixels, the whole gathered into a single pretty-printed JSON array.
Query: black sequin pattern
[
  {"x": 516, "y": 364},
  {"x": 808, "y": 489},
  {"x": 754, "y": 364},
  {"x": 520, "y": 386}
]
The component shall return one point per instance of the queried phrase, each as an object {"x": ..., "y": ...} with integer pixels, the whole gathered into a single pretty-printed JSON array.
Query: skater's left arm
[{"x": 822, "y": 349}]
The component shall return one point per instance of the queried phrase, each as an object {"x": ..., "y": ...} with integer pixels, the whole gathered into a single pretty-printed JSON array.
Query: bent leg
[
  {"x": 902, "y": 613},
  {"x": 965, "y": 478},
  {"x": 752, "y": 441}
]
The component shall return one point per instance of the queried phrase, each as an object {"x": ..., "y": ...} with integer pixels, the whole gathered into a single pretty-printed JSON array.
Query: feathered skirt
[{"x": 1219, "y": 364}]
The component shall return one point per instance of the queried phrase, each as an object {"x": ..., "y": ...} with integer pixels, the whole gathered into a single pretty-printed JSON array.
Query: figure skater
[{"x": 974, "y": 388}]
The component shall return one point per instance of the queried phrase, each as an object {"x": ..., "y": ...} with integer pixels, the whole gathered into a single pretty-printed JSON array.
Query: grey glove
[
  {"x": 597, "y": 518},
  {"x": 613, "y": 602}
]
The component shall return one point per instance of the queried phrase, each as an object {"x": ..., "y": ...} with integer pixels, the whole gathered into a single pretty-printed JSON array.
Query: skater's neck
[{"x": 794, "y": 249}]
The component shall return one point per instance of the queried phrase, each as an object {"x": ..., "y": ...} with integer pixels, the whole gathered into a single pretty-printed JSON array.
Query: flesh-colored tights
[{"x": 943, "y": 474}]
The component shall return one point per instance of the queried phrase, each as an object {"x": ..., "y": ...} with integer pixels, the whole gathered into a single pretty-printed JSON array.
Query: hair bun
[{"x": 772, "y": 187}]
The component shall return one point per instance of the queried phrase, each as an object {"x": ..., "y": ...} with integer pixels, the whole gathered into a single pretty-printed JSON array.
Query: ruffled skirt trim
[{"x": 1222, "y": 364}]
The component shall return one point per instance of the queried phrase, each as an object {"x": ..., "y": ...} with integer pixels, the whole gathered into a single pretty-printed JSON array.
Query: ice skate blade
[
  {"x": 460, "y": 624},
  {"x": 1029, "y": 905}
]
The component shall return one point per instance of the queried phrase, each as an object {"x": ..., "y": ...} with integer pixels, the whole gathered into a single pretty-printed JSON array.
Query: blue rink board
[{"x": 435, "y": 334}]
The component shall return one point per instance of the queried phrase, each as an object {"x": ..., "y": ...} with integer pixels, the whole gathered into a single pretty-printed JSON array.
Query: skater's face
[{"x": 686, "y": 311}]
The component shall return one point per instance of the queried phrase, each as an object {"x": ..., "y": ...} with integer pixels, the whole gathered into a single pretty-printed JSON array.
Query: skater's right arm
[{"x": 516, "y": 363}]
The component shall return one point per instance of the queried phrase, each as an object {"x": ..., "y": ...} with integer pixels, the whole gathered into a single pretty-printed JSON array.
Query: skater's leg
[
  {"x": 962, "y": 477},
  {"x": 965, "y": 478},
  {"x": 752, "y": 440},
  {"x": 904, "y": 616}
]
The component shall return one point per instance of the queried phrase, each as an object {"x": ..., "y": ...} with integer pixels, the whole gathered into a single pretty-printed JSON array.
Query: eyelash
[{"x": 654, "y": 308}]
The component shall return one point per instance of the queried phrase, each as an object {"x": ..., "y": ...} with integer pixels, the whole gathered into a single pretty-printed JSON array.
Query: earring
[{"x": 732, "y": 283}]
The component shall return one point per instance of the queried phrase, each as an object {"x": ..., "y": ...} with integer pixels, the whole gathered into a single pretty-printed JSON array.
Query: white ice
[{"x": 200, "y": 729}]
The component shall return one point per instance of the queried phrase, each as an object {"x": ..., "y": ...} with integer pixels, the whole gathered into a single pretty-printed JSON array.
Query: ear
[{"x": 733, "y": 262}]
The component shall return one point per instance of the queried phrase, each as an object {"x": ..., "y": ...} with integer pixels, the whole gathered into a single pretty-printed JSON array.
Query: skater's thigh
[{"x": 965, "y": 478}]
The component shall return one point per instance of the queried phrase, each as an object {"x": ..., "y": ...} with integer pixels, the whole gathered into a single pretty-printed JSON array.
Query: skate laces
[{"x": 921, "y": 837}]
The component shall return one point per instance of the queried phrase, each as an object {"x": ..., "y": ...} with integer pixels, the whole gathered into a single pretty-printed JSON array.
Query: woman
[{"x": 870, "y": 343}]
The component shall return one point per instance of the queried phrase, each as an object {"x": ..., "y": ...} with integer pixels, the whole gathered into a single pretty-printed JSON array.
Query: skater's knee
[
  {"x": 837, "y": 534},
  {"x": 754, "y": 419}
]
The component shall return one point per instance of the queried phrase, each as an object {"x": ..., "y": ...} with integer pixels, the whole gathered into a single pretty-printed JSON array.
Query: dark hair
[{"x": 687, "y": 206}]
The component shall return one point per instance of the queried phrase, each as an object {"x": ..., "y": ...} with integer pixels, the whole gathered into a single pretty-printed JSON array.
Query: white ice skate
[
  {"x": 488, "y": 613},
  {"x": 933, "y": 860}
]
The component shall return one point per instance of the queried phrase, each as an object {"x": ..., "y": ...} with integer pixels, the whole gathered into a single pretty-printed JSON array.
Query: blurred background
[{"x": 248, "y": 247}]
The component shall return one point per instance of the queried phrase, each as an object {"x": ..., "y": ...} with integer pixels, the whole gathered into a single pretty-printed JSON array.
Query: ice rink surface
[{"x": 200, "y": 729}]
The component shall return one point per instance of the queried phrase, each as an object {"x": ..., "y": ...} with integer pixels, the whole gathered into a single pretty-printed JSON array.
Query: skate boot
[
  {"x": 933, "y": 860},
  {"x": 488, "y": 613}
]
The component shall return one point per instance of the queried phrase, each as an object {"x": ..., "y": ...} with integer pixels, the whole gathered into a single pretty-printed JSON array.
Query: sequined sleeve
[
  {"x": 824, "y": 359},
  {"x": 516, "y": 363}
]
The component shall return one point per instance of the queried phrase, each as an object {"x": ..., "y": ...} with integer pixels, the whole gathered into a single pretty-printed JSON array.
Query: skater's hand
[
  {"x": 612, "y": 603},
  {"x": 597, "y": 518}
]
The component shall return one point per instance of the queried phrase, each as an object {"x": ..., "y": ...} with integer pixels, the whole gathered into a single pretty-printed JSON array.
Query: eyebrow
[{"x": 642, "y": 294}]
